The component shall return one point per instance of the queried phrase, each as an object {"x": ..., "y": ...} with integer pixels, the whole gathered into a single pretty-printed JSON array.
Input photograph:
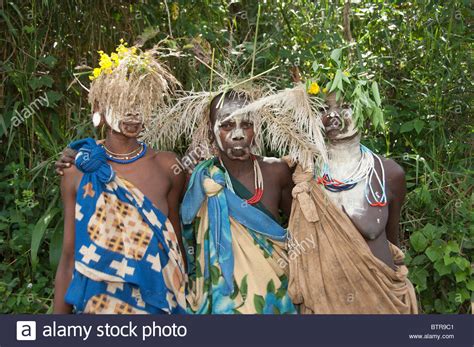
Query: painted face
[
  {"x": 337, "y": 120},
  {"x": 234, "y": 134},
  {"x": 129, "y": 125}
]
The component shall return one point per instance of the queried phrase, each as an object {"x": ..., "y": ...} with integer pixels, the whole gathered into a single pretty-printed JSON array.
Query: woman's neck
[
  {"x": 344, "y": 156},
  {"x": 237, "y": 168},
  {"x": 119, "y": 143},
  {"x": 345, "y": 150}
]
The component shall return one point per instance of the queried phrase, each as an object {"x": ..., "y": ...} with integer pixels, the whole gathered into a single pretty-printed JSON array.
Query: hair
[{"x": 226, "y": 96}]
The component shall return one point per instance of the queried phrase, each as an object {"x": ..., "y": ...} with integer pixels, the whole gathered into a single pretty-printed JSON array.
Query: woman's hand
[{"x": 68, "y": 158}]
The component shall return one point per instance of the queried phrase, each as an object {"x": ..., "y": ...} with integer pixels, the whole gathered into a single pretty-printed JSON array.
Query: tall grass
[{"x": 420, "y": 51}]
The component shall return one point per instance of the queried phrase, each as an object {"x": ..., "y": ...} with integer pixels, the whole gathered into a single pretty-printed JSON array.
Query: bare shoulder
[
  {"x": 395, "y": 177},
  {"x": 71, "y": 178},
  {"x": 170, "y": 165},
  {"x": 393, "y": 170},
  {"x": 274, "y": 163},
  {"x": 165, "y": 159},
  {"x": 276, "y": 166}
]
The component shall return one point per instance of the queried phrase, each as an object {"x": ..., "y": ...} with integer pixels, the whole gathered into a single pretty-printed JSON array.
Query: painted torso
[{"x": 370, "y": 221}]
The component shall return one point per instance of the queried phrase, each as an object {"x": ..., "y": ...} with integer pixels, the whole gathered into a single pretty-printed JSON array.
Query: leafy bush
[{"x": 418, "y": 51}]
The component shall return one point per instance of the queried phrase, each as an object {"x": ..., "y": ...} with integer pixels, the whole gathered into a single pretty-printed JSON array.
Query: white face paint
[
  {"x": 129, "y": 121},
  {"x": 348, "y": 128},
  {"x": 237, "y": 132},
  {"x": 337, "y": 120},
  {"x": 231, "y": 131},
  {"x": 217, "y": 133},
  {"x": 112, "y": 120},
  {"x": 339, "y": 124}
]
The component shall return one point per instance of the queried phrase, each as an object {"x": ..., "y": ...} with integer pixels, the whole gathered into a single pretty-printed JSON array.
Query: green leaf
[
  {"x": 29, "y": 29},
  {"x": 378, "y": 118},
  {"x": 235, "y": 292},
  {"x": 470, "y": 285},
  {"x": 419, "y": 260},
  {"x": 418, "y": 241},
  {"x": 418, "y": 277},
  {"x": 38, "y": 82},
  {"x": 431, "y": 232},
  {"x": 52, "y": 97},
  {"x": 375, "y": 92},
  {"x": 434, "y": 253},
  {"x": 336, "y": 81},
  {"x": 418, "y": 124},
  {"x": 460, "y": 276},
  {"x": 440, "y": 306},
  {"x": 315, "y": 66},
  {"x": 448, "y": 260},
  {"x": 441, "y": 267},
  {"x": 55, "y": 248},
  {"x": 462, "y": 263},
  {"x": 406, "y": 127},
  {"x": 259, "y": 303},
  {"x": 345, "y": 79},
  {"x": 424, "y": 195},
  {"x": 452, "y": 247},
  {"x": 49, "y": 60},
  {"x": 336, "y": 55},
  {"x": 38, "y": 232}
]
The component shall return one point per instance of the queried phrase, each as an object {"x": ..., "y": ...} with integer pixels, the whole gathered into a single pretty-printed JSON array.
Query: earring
[{"x": 97, "y": 119}]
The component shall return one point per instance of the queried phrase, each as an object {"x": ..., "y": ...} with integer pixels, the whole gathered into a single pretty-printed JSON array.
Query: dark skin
[
  {"x": 376, "y": 224},
  {"x": 151, "y": 174},
  {"x": 236, "y": 138}
]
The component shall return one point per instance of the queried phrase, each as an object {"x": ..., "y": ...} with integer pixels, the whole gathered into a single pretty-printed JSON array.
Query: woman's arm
[
  {"x": 66, "y": 263},
  {"x": 178, "y": 187}
]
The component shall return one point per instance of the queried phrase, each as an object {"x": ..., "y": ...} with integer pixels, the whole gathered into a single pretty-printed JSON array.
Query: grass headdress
[{"x": 130, "y": 80}]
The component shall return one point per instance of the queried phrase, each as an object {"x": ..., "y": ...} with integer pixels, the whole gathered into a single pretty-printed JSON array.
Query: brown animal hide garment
[{"x": 340, "y": 274}]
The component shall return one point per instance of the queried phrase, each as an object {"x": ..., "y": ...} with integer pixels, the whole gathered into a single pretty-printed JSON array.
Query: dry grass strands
[
  {"x": 188, "y": 117},
  {"x": 139, "y": 83},
  {"x": 293, "y": 125}
]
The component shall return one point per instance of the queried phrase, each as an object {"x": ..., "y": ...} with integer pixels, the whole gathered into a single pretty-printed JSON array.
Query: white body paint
[
  {"x": 235, "y": 133},
  {"x": 112, "y": 120},
  {"x": 343, "y": 159}
]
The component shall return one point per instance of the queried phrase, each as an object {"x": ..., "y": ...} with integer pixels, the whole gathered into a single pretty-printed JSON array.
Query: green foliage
[
  {"x": 418, "y": 52},
  {"x": 350, "y": 82}
]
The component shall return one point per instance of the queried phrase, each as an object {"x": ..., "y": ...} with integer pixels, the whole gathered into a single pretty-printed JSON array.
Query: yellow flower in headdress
[
  {"x": 96, "y": 72},
  {"x": 313, "y": 88},
  {"x": 105, "y": 62},
  {"x": 109, "y": 62},
  {"x": 115, "y": 59},
  {"x": 325, "y": 90}
]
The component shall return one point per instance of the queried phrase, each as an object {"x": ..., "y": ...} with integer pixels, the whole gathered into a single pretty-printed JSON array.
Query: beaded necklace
[
  {"x": 258, "y": 181},
  {"x": 365, "y": 169},
  {"x": 126, "y": 158}
]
